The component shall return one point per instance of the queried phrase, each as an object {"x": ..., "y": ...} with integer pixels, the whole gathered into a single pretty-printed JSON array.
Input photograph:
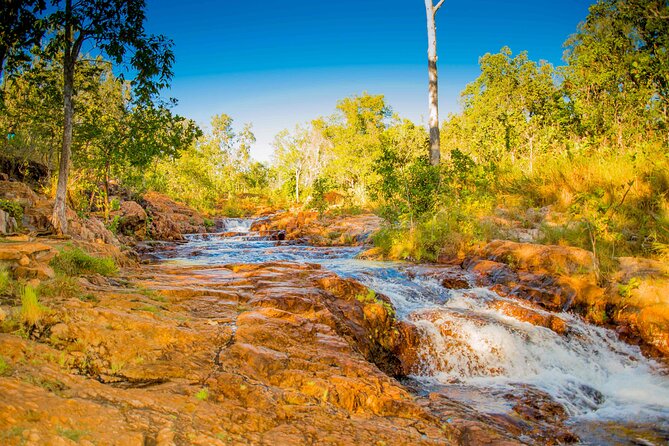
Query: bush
[
  {"x": 63, "y": 287},
  {"x": 75, "y": 262},
  {"x": 31, "y": 310},
  {"x": 5, "y": 280},
  {"x": 13, "y": 209}
]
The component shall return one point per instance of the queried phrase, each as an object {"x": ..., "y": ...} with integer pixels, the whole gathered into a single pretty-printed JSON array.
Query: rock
[
  {"x": 40, "y": 272},
  {"x": 37, "y": 209},
  {"x": 7, "y": 223},
  {"x": 321, "y": 230},
  {"x": 450, "y": 277},
  {"x": 170, "y": 220},
  {"x": 133, "y": 219},
  {"x": 3, "y": 315},
  {"x": 91, "y": 230},
  {"x": 24, "y": 261},
  {"x": 530, "y": 315}
]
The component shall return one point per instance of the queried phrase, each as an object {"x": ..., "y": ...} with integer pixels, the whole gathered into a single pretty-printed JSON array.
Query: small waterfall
[
  {"x": 587, "y": 369},
  {"x": 238, "y": 224}
]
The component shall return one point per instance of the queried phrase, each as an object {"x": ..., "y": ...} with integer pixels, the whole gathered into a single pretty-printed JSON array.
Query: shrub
[
  {"x": 203, "y": 394},
  {"x": 75, "y": 262},
  {"x": 5, "y": 368},
  {"x": 31, "y": 310},
  {"x": 13, "y": 209},
  {"x": 62, "y": 286},
  {"x": 5, "y": 280}
]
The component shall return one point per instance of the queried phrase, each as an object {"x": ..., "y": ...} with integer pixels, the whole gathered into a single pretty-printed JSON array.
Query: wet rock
[
  {"x": 530, "y": 315},
  {"x": 450, "y": 277}
]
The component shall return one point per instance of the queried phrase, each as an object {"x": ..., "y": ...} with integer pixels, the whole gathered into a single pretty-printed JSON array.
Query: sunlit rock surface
[{"x": 246, "y": 354}]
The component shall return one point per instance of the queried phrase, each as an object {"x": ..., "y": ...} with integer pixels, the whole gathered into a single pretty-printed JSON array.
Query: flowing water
[{"x": 475, "y": 353}]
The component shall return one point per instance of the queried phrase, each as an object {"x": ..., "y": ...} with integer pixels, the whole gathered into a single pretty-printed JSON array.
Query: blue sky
[{"x": 277, "y": 64}]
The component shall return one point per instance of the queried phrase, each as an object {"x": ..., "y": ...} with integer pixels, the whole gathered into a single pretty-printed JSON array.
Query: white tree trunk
[{"x": 433, "y": 91}]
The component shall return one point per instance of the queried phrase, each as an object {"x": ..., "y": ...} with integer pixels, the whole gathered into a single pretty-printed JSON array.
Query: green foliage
[
  {"x": 32, "y": 311},
  {"x": 372, "y": 298},
  {"x": 319, "y": 188},
  {"x": 625, "y": 290},
  {"x": 62, "y": 286},
  {"x": 202, "y": 394},
  {"x": 114, "y": 223},
  {"x": 215, "y": 168},
  {"x": 5, "y": 368},
  {"x": 76, "y": 262},
  {"x": 13, "y": 208},
  {"x": 72, "y": 434},
  {"x": 616, "y": 77},
  {"x": 5, "y": 280}
]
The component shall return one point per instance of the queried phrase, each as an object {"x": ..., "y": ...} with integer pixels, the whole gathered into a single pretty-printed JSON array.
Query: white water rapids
[{"x": 468, "y": 344}]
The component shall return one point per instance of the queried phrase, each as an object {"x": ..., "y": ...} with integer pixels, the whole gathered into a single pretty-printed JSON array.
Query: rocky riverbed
[{"x": 243, "y": 337}]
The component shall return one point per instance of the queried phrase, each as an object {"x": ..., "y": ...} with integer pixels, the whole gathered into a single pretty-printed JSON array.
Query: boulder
[
  {"x": 133, "y": 219},
  {"x": 170, "y": 220},
  {"x": 7, "y": 223}
]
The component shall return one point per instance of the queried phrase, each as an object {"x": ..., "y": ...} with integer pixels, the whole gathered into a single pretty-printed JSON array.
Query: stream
[{"x": 476, "y": 354}]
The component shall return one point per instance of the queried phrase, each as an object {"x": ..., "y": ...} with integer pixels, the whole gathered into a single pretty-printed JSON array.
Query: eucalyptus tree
[
  {"x": 114, "y": 29},
  {"x": 433, "y": 88}
]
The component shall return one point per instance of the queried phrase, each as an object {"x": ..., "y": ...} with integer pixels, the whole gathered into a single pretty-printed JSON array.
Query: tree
[
  {"x": 511, "y": 111},
  {"x": 116, "y": 29},
  {"x": 20, "y": 30},
  {"x": 618, "y": 70},
  {"x": 433, "y": 90},
  {"x": 354, "y": 136}
]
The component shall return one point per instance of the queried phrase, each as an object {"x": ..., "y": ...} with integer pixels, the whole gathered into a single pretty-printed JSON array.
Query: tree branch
[{"x": 437, "y": 6}]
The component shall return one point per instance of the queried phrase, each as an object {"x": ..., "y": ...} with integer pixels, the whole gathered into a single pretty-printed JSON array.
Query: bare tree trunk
[
  {"x": 59, "y": 217},
  {"x": 433, "y": 96},
  {"x": 297, "y": 185}
]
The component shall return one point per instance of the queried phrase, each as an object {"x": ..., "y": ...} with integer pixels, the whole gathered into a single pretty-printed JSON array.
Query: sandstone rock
[
  {"x": 534, "y": 317},
  {"x": 24, "y": 261},
  {"x": 90, "y": 230},
  {"x": 321, "y": 231},
  {"x": 7, "y": 223},
  {"x": 170, "y": 220},
  {"x": 40, "y": 272},
  {"x": 133, "y": 219}
]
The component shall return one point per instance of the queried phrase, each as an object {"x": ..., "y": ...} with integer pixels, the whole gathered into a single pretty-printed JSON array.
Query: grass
[
  {"x": 62, "y": 286},
  {"x": 76, "y": 262},
  {"x": 50, "y": 385},
  {"x": 12, "y": 432},
  {"x": 150, "y": 309},
  {"x": 203, "y": 394},
  {"x": 71, "y": 434},
  {"x": 5, "y": 368},
  {"x": 32, "y": 311},
  {"x": 372, "y": 298},
  {"x": 5, "y": 280}
]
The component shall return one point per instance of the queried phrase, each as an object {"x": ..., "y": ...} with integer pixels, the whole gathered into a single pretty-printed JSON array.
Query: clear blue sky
[{"x": 279, "y": 63}]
